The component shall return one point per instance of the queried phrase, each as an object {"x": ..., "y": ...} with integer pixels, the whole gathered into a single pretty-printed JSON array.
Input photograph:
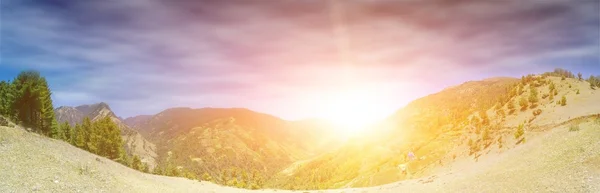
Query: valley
[{"x": 536, "y": 133}]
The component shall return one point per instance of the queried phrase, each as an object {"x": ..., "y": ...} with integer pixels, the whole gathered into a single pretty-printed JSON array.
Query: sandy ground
[{"x": 555, "y": 161}]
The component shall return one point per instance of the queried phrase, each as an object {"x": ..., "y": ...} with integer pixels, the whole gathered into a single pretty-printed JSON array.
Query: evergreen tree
[
  {"x": 136, "y": 163},
  {"x": 63, "y": 132},
  {"x": 79, "y": 140},
  {"x": 7, "y": 97},
  {"x": 89, "y": 135},
  {"x": 27, "y": 103},
  {"x": 48, "y": 121}
]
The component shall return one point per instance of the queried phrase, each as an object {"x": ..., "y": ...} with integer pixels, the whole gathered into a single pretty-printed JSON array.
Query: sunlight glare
[{"x": 353, "y": 111}]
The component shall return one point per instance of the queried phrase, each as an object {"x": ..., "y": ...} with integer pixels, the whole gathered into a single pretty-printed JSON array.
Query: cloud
[{"x": 145, "y": 56}]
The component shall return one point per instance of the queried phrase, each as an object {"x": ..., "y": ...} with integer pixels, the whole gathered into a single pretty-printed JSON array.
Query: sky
[{"x": 292, "y": 59}]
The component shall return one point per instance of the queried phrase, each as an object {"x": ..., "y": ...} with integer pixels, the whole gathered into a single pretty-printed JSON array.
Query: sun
[{"x": 353, "y": 111}]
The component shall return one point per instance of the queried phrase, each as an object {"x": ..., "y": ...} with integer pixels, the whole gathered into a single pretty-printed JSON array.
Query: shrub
[
  {"x": 519, "y": 133},
  {"x": 533, "y": 95},
  {"x": 574, "y": 127},
  {"x": 562, "y": 78},
  {"x": 523, "y": 103},
  {"x": 563, "y": 101},
  {"x": 537, "y": 112},
  {"x": 577, "y": 91}
]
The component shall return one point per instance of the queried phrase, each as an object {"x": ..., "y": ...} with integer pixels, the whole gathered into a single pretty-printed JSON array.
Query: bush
[
  {"x": 523, "y": 103},
  {"x": 574, "y": 128},
  {"x": 563, "y": 101},
  {"x": 537, "y": 112},
  {"x": 577, "y": 91},
  {"x": 519, "y": 133}
]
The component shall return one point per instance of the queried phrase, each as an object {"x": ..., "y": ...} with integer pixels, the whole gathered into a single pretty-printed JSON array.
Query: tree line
[{"x": 27, "y": 101}]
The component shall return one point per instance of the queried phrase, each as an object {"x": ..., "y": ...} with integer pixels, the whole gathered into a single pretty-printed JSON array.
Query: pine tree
[
  {"x": 48, "y": 121},
  {"x": 80, "y": 133},
  {"x": 64, "y": 132},
  {"x": 7, "y": 97},
  {"x": 27, "y": 104},
  {"x": 89, "y": 135},
  {"x": 136, "y": 163}
]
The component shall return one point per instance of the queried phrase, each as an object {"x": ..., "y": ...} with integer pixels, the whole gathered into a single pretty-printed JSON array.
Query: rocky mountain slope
[
  {"x": 218, "y": 142},
  {"x": 135, "y": 143}
]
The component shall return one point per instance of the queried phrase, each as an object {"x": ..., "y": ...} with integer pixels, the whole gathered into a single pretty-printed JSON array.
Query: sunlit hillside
[
  {"x": 508, "y": 135},
  {"x": 235, "y": 147},
  {"x": 461, "y": 122}
]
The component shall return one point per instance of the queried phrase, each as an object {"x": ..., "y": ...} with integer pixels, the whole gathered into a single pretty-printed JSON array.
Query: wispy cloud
[{"x": 144, "y": 56}]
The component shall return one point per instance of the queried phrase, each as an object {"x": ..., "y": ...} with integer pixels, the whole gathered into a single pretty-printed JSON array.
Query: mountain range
[{"x": 467, "y": 121}]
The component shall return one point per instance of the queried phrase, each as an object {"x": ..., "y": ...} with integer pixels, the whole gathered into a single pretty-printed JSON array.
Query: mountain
[
  {"x": 135, "y": 143},
  {"x": 215, "y": 141},
  {"x": 467, "y": 121},
  {"x": 557, "y": 160},
  {"x": 135, "y": 121}
]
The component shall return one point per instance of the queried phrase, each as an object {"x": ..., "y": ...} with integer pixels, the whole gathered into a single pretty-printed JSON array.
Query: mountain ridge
[{"x": 134, "y": 142}]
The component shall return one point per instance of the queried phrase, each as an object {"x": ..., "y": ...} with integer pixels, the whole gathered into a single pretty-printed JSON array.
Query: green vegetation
[
  {"x": 594, "y": 81},
  {"x": 533, "y": 97},
  {"x": 519, "y": 134},
  {"x": 563, "y": 101},
  {"x": 523, "y": 103},
  {"x": 27, "y": 101}
]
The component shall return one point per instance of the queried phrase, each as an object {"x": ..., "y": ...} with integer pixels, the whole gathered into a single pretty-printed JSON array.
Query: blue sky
[{"x": 284, "y": 58}]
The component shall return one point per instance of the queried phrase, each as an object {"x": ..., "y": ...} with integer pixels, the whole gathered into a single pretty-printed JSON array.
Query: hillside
[
  {"x": 470, "y": 120},
  {"x": 219, "y": 143},
  {"x": 135, "y": 143},
  {"x": 553, "y": 161}
]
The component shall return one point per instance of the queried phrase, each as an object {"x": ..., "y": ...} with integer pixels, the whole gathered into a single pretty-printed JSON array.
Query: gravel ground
[{"x": 556, "y": 161}]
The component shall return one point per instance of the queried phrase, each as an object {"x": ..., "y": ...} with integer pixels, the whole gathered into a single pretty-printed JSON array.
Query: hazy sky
[{"x": 287, "y": 58}]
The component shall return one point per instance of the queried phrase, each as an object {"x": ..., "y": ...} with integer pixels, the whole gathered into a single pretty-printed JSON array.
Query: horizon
[{"x": 291, "y": 60}]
